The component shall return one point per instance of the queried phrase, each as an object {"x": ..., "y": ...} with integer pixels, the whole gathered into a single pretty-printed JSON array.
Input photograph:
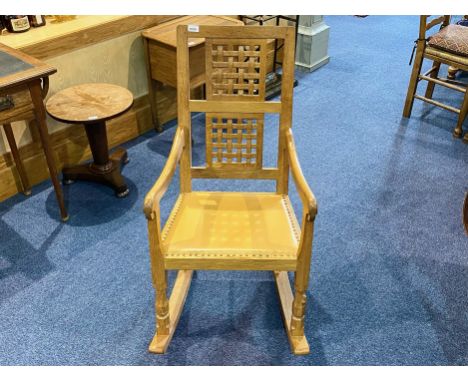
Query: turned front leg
[
  {"x": 458, "y": 132},
  {"x": 452, "y": 72},
  {"x": 162, "y": 304},
  {"x": 302, "y": 277},
  {"x": 298, "y": 311},
  {"x": 159, "y": 276}
]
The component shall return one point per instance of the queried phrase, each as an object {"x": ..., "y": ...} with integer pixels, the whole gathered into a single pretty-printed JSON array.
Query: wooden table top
[
  {"x": 166, "y": 33},
  {"x": 17, "y": 68},
  {"x": 89, "y": 103}
]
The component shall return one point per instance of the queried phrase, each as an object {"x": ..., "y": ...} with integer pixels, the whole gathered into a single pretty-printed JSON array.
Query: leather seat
[{"x": 228, "y": 227}]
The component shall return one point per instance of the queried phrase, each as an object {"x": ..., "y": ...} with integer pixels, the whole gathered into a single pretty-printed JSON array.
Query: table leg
[
  {"x": 104, "y": 169},
  {"x": 39, "y": 110},
  {"x": 151, "y": 90},
  {"x": 16, "y": 157},
  {"x": 154, "y": 94}
]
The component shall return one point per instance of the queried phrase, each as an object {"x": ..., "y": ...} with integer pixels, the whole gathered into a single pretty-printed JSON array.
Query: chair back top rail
[{"x": 243, "y": 31}]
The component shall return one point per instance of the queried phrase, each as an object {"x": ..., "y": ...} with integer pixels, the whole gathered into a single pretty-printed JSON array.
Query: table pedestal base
[
  {"x": 105, "y": 168},
  {"x": 110, "y": 176}
]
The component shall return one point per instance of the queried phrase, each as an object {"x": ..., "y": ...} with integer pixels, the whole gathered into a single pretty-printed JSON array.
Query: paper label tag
[
  {"x": 193, "y": 28},
  {"x": 21, "y": 24}
]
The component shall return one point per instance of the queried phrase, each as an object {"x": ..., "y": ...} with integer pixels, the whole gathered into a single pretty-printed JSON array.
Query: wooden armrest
[
  {"x": 158, "y": 190},
  {"x": 305, "y": 193}
]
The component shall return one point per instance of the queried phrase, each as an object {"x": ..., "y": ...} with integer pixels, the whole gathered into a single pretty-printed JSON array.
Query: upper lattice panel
[{"x": 235, "y": 68}]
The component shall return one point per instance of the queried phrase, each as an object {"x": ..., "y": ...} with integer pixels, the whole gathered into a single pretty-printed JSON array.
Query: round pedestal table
[{"x": 92, "y": 105}]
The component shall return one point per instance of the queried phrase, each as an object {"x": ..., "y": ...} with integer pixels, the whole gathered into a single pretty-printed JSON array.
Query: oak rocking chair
[
  {"x": 448, "y": 46},
  {"x": 232, "y": 230}
]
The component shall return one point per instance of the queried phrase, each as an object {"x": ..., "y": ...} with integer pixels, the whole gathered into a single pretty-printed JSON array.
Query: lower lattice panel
[{"x": 234, "y": 139}]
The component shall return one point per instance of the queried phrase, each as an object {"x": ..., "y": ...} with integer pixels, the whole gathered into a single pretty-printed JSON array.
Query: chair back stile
[
  {"x": 236, "y": 70},
  {"x": 425, "y": 24},
  {"x": 286, "y": 109},
  {"x": 183, "y": 114}
]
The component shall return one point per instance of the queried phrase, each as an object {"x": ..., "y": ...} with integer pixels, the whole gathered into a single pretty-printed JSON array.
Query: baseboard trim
[{"x": 314, "y": 66}]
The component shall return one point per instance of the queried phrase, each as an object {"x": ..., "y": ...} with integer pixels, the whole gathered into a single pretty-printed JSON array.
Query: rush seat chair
[
  {"x": 448, "y": 46},
  {"x": 232, "y": 230}
]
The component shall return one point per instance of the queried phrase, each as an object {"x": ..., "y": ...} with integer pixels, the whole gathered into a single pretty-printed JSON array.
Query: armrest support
[
  {"x": 153, "y": 197},
  {"x": 305, "y": 193}
]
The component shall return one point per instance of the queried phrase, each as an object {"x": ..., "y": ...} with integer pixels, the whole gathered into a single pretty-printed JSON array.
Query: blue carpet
[{"x": 389, "y": 276}]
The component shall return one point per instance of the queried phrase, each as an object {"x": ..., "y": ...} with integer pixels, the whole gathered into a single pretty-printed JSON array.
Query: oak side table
[
  {"x": 92, "y": 105},
  {"x": 161, "y": 59},
  {"x": 24, "y": 82}
]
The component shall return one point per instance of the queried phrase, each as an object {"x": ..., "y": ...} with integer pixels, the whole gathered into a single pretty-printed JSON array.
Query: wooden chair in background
[
  {"x": 448, "y": 46},
  {"x": 452, "y": 70},
  {"x": 232, "y": 230}
]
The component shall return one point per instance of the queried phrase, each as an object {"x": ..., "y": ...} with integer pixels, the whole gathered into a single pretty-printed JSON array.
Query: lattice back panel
[
  {"x": 234, "y": 140},
  {"x": 235, "y": 68}
]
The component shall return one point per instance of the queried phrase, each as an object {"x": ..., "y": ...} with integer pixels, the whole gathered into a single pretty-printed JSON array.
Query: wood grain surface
[
  {"x": 166, "y": 33},
  {"x": 57, "y": 39},
  {"x": 89, "y": 102}
]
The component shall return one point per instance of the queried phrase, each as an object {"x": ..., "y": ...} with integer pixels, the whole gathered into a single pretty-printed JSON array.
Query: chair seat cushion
[
  {"x": 231, "y": 226},
  {"x": 452, "y": 39}
]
